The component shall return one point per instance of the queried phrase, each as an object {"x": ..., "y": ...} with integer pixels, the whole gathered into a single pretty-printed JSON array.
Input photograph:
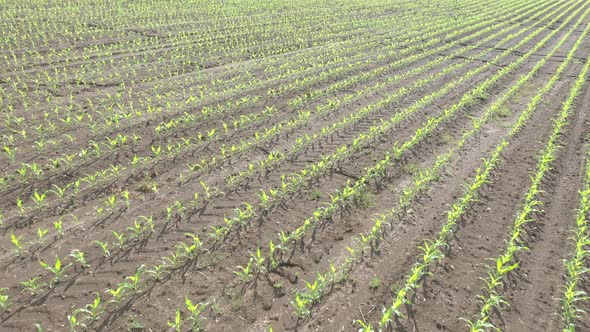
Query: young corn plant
[
  {"x": 157, "y": 272},
  {"x": 92, "y": 311},
  {"x": 364, "y": 327},
  {"x": 59, "y": 191},
  {"x": 58, "y": 226},
  {"x": 246, "y": 273},
  {"x": 134, "y": 282},
  {"x": 80, "y": 257},
  {"x": 195, "y": 310},
  {"x": 18, "y": 243},
  {"x": 192, "y": 250},
  {"x": 104, "y": 246},
  {"x": 39, "y": 198},
  {"x": 4, "y": 299},
  {"x": 75, "y": 323},
  {"x": 21, "y": 208},
  {"x": 176, "y": 323},
  {"x": 10, "y": 152},
  {"x": 258, "y": 260},
  {"x": 57, "y": 269},
  {"x": 32, "y": 286},
  {"x": 173, "y": 261},
  {"x": 41, "y": 234},
  {"x": 301, "y": 304},
  {"x": 118, "y": 294},
  {"x": 121, "y": 239},
  {"x": 125, "y": 196},
  {"x": 111, "y": 202}
]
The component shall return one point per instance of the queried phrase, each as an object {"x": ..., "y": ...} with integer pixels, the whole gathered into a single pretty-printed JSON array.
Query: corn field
[{"x": 242, "y": 165}]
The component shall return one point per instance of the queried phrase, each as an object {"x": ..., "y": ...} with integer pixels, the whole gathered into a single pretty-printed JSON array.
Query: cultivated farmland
[{"x": 325, "y": 165}]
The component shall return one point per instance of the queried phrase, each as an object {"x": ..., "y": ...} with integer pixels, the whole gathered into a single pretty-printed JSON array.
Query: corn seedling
[
  {"x": 4, "y": 299},
  {"x": 57, "y": 269},
  {"x": 195, "y": 310},
  {"x": 79, "y": 257},
  {"x": 33, "y": 286}
]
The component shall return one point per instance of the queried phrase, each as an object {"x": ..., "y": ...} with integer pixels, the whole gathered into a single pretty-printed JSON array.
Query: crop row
[{"x": 576, "y": 265}]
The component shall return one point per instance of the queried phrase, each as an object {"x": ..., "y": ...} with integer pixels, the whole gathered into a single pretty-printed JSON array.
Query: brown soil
[{"x": 447, "y": 295}]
